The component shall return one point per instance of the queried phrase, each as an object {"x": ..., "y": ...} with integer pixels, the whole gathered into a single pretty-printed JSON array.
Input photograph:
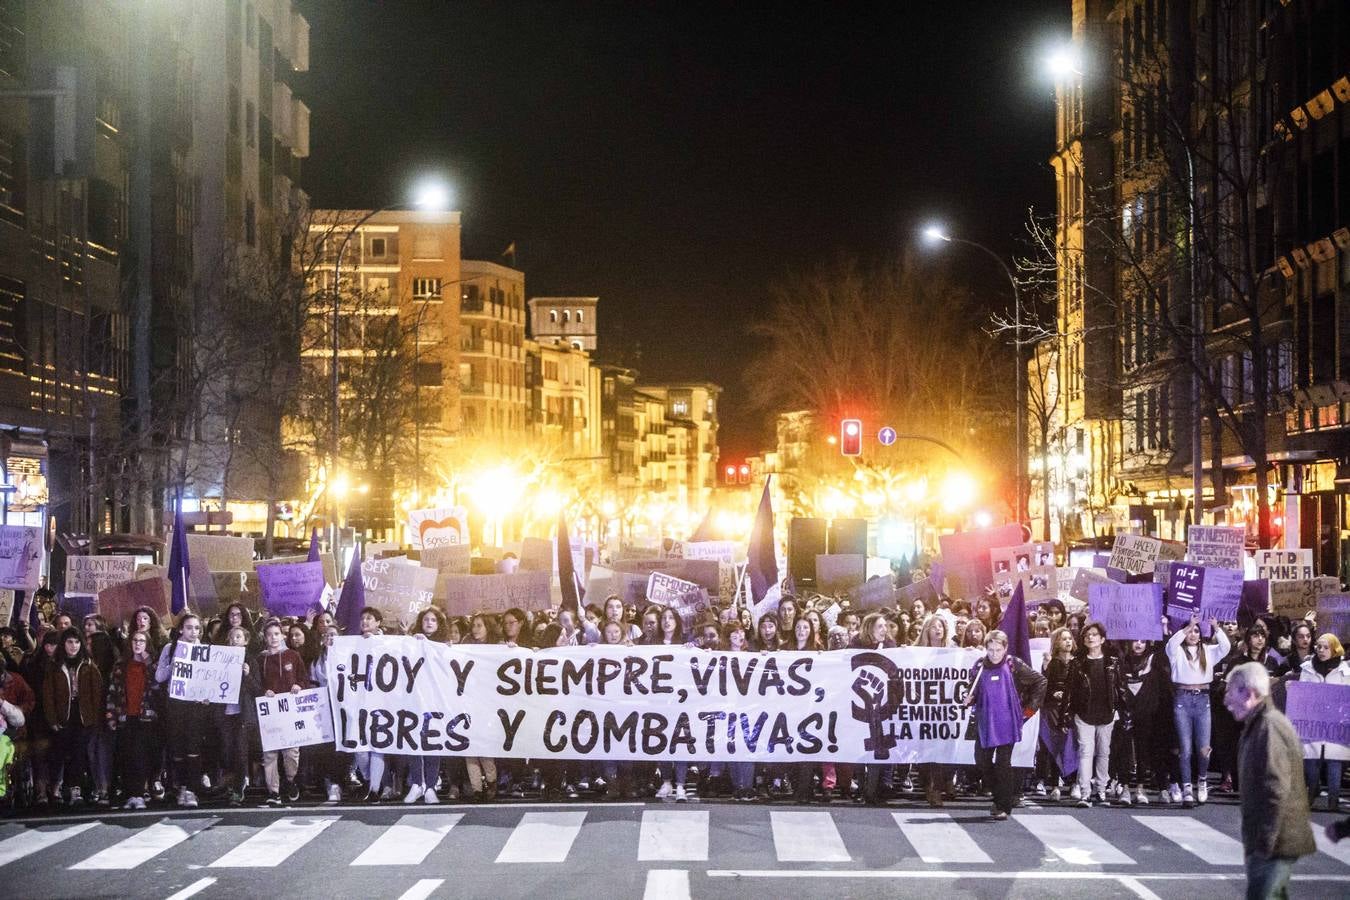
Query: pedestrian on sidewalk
[{"x": 1275, "y": 829}]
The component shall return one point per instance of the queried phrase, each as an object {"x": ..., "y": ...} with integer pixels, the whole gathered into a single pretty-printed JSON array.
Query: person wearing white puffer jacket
[{"x": 1326, "y": 666}]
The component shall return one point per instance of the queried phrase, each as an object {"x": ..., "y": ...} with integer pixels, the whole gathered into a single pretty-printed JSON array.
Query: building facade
[
  {"x": 570, "y": 319},
  {"x": 493, "y": 396}
]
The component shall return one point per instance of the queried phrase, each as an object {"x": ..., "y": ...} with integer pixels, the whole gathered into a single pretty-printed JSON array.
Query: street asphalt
[{"x": 652, "y": 850}]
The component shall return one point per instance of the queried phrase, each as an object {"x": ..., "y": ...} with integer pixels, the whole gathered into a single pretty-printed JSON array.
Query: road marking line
[
  {"x": 1074, "y": 842},
  {"x": 422, "y": 890},
  {"x": 1339, "y": 851},
  {"x": 30, "y": 842},
  {"x": 1194, "y": 836},
  {"x": 145, "y": 844},
  {"x": 542, "y": 837},
  {"x": 807, "y": 837},
  {"x": 193, "y": 889},
  {"x": 408, "y": 841},
  {"x": 1036, "y": 875},
  {"x": 667, "y": 884},
  {"x": 937, "y": 839},
  {"x": 669, "y": 834},
  {"x": 1140, "y": 891},
  {"x": 274, "y": 844}
]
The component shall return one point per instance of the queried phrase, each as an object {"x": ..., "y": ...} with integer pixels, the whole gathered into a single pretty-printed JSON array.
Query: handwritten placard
[
  {"x": 1219, "y": 546},
  {"x": 295, "y": 720},
  {"x": 1333, "y": 615},
  {"x": 1294, "y": 599},
  {"x": 206, "y": 672},
  {"x": 1284, "y": 565},
  {"x": 1128, "y": 611},
  {"x": 438, "y": 527},
  {"x": 397, "y": 588},
  {"x": 1320, "y": 712},
  {"x": 1134, "y": 553},
  {"x": 464, "y": 595},
  {"x": 20, "y": 557},
  {"x": 91, "y": 574},
  {"x": 291, "y": 589}
]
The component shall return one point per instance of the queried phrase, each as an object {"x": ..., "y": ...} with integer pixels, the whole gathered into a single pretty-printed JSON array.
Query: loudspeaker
[
  {"x": 848, "y": 536},
  {"x": 806, "y": 540}
]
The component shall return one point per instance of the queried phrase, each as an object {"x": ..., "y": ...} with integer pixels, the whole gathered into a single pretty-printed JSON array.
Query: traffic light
[
  {"x": 850, "y": 437},
  {"x": 731, "y": 474},
  {"x": 743, "y": 474}
]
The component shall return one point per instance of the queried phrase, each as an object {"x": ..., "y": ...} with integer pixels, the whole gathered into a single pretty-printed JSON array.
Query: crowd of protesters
[{"x": 1124, "y": 723}]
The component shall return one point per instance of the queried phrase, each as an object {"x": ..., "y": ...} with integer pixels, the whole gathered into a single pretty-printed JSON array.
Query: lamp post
[
  {"x": 431, "y": 195},
  {"x": 935, "y": 234}
]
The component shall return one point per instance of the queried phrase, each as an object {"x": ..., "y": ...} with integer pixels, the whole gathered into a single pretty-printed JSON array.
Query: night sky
[{"x": 676, "y": 159}]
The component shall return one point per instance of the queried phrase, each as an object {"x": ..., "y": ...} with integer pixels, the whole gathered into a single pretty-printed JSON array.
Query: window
[
  {"x": 576, "y": 345},
  {"x": 553, "y": 315},
  {"x": 428, "y": 374},
  {"x": 579, "y": 317},
  {"x": 377, "y": 246},
  {"x": 679, "y": 407},
  {"x": 426, "y": 287},
  {"x": 567, "y": 316}
]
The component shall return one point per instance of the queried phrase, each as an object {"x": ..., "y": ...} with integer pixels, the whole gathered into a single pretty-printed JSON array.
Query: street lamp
[
  {"x": 936, "y": 234},
  {"x": 429, "y": 195}
]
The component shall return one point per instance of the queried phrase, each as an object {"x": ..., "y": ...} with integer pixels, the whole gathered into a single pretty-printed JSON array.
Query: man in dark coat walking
[{"x": 1275, "y": 829}]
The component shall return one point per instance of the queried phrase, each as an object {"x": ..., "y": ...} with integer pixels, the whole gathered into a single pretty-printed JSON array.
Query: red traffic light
[
  {"x": 731, "y": 474},
  {"x": 744, "y": 474},
  {"x": 850, "y": 437}
]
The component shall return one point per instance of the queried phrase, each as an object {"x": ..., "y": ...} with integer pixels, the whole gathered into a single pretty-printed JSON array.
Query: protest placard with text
[
  {"x": 397, "y": 588},
  {"x": 1134, "y": 553},
  {"x": 464, "y": 595},
  {"x": 1220, "y": 546},
  {"x": 91, "y": 574},
  {"x": 721, "y": 551},
  {"x": 448, "y": 559},
  {"x": 291, "y": 589},
  {"x": 1295, "y": 598},
  {"x": 687, "y": 599},
  {"x": 438, "y": 527},
  {"x": 1128, "y": 611},
  {"x": 206, "y": 672},
  {"x": 295, "y": 719},
  {"x": 21, "y": 552},
  {"x": 1284, "y": 565},
  {"x": 1320, "y": 712},
  {"x": 1333, "y": 615}
]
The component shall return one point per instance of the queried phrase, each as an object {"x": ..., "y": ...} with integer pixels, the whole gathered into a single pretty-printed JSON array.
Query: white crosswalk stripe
[
  {"x": 937, "y": 839},
  {"x": 1194, "y": 836},
  {"x": 1072, "y": 841},
  {"x": 275, "y": 843},
  {"x": 673, "y": 835},
  {"x": 542, "y": 837},
  {"x": 1339, "y": 851},
  {"x": 409, "y": 841},
  {"x": 807, "y": 837},
  {"x": 30, "y": 842},
  {"x": 145, "y": 844}
]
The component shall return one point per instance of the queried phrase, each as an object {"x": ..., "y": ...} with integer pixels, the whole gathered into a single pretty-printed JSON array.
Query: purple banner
[
  {"x": 1320, "y": 712},
  {"x": 291, "y": 589}
]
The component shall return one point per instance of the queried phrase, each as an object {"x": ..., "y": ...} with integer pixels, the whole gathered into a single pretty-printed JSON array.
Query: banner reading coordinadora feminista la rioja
[{"x": 404, "y": 695}]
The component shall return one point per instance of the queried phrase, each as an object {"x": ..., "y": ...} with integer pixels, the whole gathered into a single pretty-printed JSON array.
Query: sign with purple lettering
[
  {"x": 291, "y": 589},
  {"x": 1320, "y": 712},
  {"x": 1128, "y": 611}
]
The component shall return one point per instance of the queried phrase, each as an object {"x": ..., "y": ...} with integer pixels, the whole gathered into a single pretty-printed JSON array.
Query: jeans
[
  {"x": 1312, "y": 776},
  {"x": 1191, "y": 712},
  {"x": 99, "y": 742},
  {"x": 742, "y": 775},
  {"x": 1094, "y": 755},
  {"x": 1268, "y": 877},
  {"x": 424, "y": 771},
  {"x": 995, "y": 765}
]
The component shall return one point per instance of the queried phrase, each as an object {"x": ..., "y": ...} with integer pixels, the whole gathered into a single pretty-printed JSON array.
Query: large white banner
[
  {"x": 206, "y": 672},
  {"x": 404, "y": 695},
  {"x": 294, "y": 720}
]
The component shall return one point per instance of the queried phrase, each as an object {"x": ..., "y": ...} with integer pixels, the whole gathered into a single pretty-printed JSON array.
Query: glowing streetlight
[
  {"x": 1064, "y": 62},
  {"x": 432, "y": 195},
  {"x": 935, "y": 234},
  {"x": 958, "y": 491}
]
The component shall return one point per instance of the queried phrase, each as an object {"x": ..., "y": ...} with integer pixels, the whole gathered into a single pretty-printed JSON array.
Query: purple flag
[
  {"x": 572, "y": 591},
  {"x": 762, "y": 564},
  {"x": 179, "y": 568},
  {"x": 353, "y": 597},
  {"x": 1014, "y": 625},
  {"x": 313, "y": 546}
]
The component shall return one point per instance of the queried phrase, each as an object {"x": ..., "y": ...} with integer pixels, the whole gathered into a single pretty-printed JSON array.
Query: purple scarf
[{"x": 1000, "y": 708}]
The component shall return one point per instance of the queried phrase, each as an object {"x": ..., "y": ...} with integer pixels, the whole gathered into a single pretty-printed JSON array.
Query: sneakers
[
  {"x": 570, "y": 792},
  {"x": 1102, "y": 799},
  {"x": 415, "y": 793},
  {"x": 293, "y": 793},
  {"x": 273, "y": 800},
  {"x": 158, "y": 790},
  {"x": 1174, "y": 790},
  {"x": 680, "y": 795},
  {"x": 429, "y": 796},
  {"x": 1202, "y": 792},
  {"x": 236, "y": 799},
  {"x": 1075, "y": 793},
  {"x": 135, "y": 802},
  {"x": 1040, "y": 789},
  {"x": 664, "y": 791},
  {"x": 1056, "y": 795},
  {"x": 206, "y": 782},
  {"x": 999, "y": 815},
  {"x": 1125, "y": 799},
  {"x": 1187, "y": 797},
  {"x": 1083, "y": 803},
  {"x": 1141, "y": 797},
  {"x": 75, "y": 796},
  {"x": 334, "y": 794},
  {"x": 187, "y": 799},
  {"x": 387, "y": 794}
]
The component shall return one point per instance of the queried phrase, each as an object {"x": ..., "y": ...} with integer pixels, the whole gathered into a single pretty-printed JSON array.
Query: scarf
[{"x": 1325, "y": 668}]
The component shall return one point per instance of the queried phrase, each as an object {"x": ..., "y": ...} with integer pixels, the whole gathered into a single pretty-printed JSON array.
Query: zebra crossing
[{"x": 737, "y": 836}]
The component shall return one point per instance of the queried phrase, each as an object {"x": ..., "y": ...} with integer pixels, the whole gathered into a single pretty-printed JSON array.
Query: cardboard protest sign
[
  {"x": 295, "y": 720},
  {"x": 706, "y": 573},
  {"x": 404, "y": 696},
  {"x": 728, "y": 577},
  {"x": 599, "y": 584},
  {"x": 291, "y": 589},
  {"x": 874, "y": 593},
  {"x": 1219, "y": 546},
  {"x": 206, "y": 672},
  {"x": 1128, "y": 611},
  {"x": 1134, "y": 553},
  {"x": 631, "y": 588},
  {"x": 687, "y": 599},
  {"x": 329, "y": 570},
  {"x": 21, "y": 551},
  {"x": 448, "y": 559},
  {"x": 119, "y": 602},
  {"x": 214, "y": 591},
  {"x": 924, "y": 590},
  {"x": 1208, "y": 592},
  {"x": 965, "y": 558},
  {"x": 438, "y": 527},
  {"x": 397, "y": 588},
  {"x": 6, "y": 606},
  {"x": 464, "y": 595},
  {"x": 1040, "y": 650},
  {"x": 839, "y": 573},
  {"x": 1033, "y": 564},
  {"x": 1083, "y": 580},
  {"x": 91, "y": 574},
  {"x": 1284, "y": 565},
  {"x": 1294, "y": 599},
  {"x": 1320, "y": 712},
  {"x": 536, "y": 555},
  {"x": 1333, "y": 615},
  {"x": 721, "y": 551},
  {"x": 77, "y": 606},
  {"x": 219, "y": 552}
]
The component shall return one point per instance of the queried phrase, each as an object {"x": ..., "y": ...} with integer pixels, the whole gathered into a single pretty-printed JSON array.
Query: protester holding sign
[
  {"x": 187, "y": 719},
  {"x": 1004, "y": 692},
  {"x": 281, "y": 671},
  {"x": 1327, "y": 666},
  {"x": 233, "y": 722},
  {"x": 1144, "y": 746},
  {"x": 1193, "y": 663}
]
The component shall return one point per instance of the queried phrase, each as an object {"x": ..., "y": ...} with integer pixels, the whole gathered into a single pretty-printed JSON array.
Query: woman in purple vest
[{"x": 1004, "y": 692}]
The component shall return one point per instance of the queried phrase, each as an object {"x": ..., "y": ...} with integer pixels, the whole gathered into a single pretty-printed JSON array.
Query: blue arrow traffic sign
[{"x": 886, "y": 435}]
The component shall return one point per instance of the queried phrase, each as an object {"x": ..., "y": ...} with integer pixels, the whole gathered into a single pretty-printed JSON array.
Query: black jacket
[{"x": 1080, "y": 686}]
